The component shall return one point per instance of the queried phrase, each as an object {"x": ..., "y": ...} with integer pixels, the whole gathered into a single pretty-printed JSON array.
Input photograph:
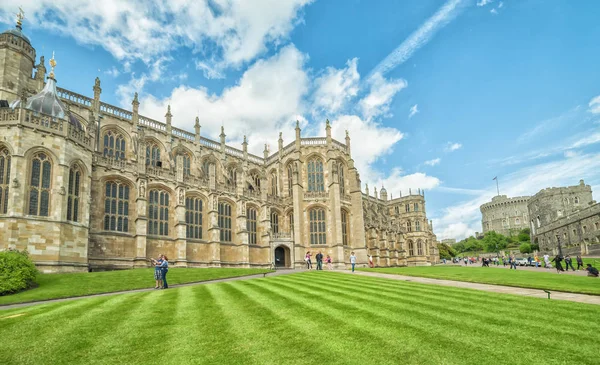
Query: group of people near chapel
[
  {"x": 161, "y": 268},
  {"x": 319, "y": 259}
]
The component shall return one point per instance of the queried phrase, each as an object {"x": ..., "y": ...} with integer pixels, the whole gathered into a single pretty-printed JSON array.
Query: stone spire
[
  {"x": 347, "y": 142},
  {"x": 197, "y": 130}
]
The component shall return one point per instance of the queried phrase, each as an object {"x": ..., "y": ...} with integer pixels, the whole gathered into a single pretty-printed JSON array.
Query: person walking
[
  {"x": 557, "y": 259},
  {"x": 319, "y": 258},
  {"x": 513, "y": 262},
  {"x": 307, "y": 259},
  {"x": 465, "y": 259},
  {"x": 579, "y": 262},
  {"x": 352, "y": 260},
  {"x": 547, "y": 261},
  {"x": 157, "y": 272},
  {"x": 504, "y": 261},
  {"x": 371, "y": 264},
  {"x": 569, "y": 262},
  {"x": 164, "y": 268},
  {"x": 328, "y": 261},
  {"x": 536, "y": 259}
]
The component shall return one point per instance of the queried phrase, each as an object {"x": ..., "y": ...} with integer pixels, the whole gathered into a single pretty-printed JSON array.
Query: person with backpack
[
  {"x": 164, "y": 267},
  {"x": 592, "y": 271},
  {"x": 319, "y": 258},
  {"x": 157, "y": 272},
  {"x": 579, "y": 262},
  {"x": 569, "y": 262}
]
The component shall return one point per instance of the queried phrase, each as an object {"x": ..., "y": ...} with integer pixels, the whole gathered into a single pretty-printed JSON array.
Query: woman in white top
[{"x": 352, "y": 260}]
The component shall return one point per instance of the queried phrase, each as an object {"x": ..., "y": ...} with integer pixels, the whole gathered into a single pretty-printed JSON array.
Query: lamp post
[{"x": 559, "y": 247}]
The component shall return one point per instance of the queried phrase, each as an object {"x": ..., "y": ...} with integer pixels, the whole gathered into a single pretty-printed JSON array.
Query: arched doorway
[{"x": 282, "y": 256}]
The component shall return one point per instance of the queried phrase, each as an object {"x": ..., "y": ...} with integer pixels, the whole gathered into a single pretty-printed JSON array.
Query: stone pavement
[
  {"x": 247, "y": 277},
  {"x": 535, "y": 293}
]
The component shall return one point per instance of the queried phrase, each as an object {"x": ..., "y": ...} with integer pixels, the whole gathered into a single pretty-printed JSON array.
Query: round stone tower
[{"x": 505, "y": 215}]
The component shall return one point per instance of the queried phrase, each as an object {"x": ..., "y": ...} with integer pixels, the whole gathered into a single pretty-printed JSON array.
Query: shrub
[
  {"x": 525, "y": 248},
  {"x": 17, "y": 272}
]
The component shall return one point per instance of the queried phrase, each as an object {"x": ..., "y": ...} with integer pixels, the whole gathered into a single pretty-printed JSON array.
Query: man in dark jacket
[
  {"x": 592, "y": 271},
  {"x": 569, "y": 262},
  {"x": 319, "y": 258},
  {"x": 579, "y": 263}
]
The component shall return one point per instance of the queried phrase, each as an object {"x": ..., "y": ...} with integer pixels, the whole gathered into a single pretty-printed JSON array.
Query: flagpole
[{"x": 497, "y": 188}]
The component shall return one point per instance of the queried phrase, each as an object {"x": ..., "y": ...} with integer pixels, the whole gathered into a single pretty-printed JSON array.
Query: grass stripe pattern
[{"x": 304, "y": 318}]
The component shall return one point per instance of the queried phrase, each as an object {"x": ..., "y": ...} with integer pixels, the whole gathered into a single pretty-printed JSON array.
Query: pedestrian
[
  {"x": 529, "y": 260},
  {"x": 547, "y": 263},
  {"x": 164, "y": 267},
  {"x": 504, "y": 261},
  {"x": 328, "y": 261},
  {"x": 537, "y": 261},
  {"x": 513, "y": 262},
  {"x": 579, "y": 262},
  {"x": 307, "y": 259},
  {"x": 352, "y": 260},
  {"x": 465, "y": 260},
  {"x": 371, "y": 264},
  {"x": 569, "y": 262},
  {"x": 319, "y": 258},
  {"x": 157, "y": 272},
  {"x": 557, "y": 259},
  {"x": 592, "y": 271}
]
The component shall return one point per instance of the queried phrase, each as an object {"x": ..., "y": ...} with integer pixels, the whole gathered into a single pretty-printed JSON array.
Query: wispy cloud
[
  {"x": 551, "y": 124},
  {"x": 419, "y": 38},
  {"x": 453, "y": 146},
  {"x": 484, "y": 2},
  {"x": 433, "y": 162},
  {"x": 462, "y": 191},
  {"x": 595, "y": 105},
  {"x": 588, "y": 140},
  {"x": 112, "y": 72},
  {"x": 413, "y": 110},
  {"x": 494, "y": 11}
]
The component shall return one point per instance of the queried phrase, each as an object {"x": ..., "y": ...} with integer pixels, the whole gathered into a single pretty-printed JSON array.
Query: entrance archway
[{"x": 282, "y": 256}]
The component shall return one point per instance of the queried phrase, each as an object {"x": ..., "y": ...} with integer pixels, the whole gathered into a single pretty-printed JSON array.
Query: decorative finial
[
  {"x": 327, "y": 122},
  {"x": 197, "y": 122},
  {"x": 52, "y": 64},
  {"x": 169, "y": 109},
  {"x": 20, "y": 17},
  {"x": 280, "y": 135},
  {"x": 245, "y": 141},
  {"x": 297, "y": 124},
  {"x": 135, "y": 98},
  {"x": 222, "y": 130}
]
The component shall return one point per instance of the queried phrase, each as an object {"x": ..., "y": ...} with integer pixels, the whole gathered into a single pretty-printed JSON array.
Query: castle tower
[{"x": 17, "y": 61}]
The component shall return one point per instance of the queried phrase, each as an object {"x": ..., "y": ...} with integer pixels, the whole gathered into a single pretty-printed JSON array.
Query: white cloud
[
  {"x": 113, "y": 71},
  {"x": 494, "y": 11},
  {"x": 484, "y": 2},
  {"x": 397, "y": 182},
  {"x": 571, "y": 154},
  {"x": 587, "y": 140},
  {"x": 209, "y": 71},
  {"x": 595, "y": 105},
  {"x": 413, "y": 110},
  {"x": 433, "y": 162},
  {"x": 500, "y": 5},
  {"x": 334, "y": 88},
  {"x": 381, "y": 92},
  {"x": 145, "y": 29},
  {"x": 453, "y": 146},
  {"x": 418, "y": 38}
]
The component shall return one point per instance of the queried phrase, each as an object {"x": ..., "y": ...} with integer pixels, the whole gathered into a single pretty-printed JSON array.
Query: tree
[
  {"x": 525, "y": 248},
  {"x": 446, "y": 252},
  {"x": 494, "y": 242},
  {"x": 523, "y": 237}
]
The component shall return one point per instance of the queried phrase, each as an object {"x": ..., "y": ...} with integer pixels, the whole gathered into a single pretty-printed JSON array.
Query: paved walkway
[
  {"x": 536, "y": 293},
  {"x": 248, "y": 277},
  {"x": 527, "y": 268}
]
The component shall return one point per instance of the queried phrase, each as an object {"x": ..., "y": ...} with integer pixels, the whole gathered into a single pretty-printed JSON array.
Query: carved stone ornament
[
  {"x": 142, "y": 188},
  {"x": 15, "y": 183},
  {"x": 181, "y": 196},
  {"x": 62, "y": 190}
]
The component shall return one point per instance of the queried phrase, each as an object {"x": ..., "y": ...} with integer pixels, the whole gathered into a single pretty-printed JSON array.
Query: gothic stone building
[
  {"x": 87, "y": 185},
  {"x": 505, "y": 215}
]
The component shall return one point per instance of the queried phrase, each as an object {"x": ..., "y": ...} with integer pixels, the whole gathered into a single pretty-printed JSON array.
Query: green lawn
[
  {"x": 542, "y": 279},
  {"x": 52, "y": 286},
  {"x": 305, "y": 318}
]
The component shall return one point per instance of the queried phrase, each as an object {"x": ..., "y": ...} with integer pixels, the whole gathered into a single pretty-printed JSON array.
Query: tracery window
[
  {"x": 251, "y": 225},
  {"x": 411, "y": 248},
  {"x": 420, "y": 248},
  {"x": 187, "y": 164},
  {"x": 408, "y": 227},
  {"x": 315, "y": 175},
  {"x": 255, "y": 178},
  {"x": 206, "y": 168},
  {"x": 407, "y": 208},
  {"x": 231, "y": 178},
  {"x": 39, "y": 185},
  {"x": 418, "y": 226},
  {"x": 341, "y": 179},
  {"x": 4, "y": 179},
  {"x": 274, "y": 222},
  {"x": 116, "y": 207},
  {"x": 290, "y": 180},
  {"x": 345, "y": 228},
  {"x": 194, "y": 207},
  {"x": 291, "y": 220},
  {"x": 274, "y": 185},
  {"x": 318, "y": 231},
  {"x": 114, "y": 145},
  {"x": 224, "y": 220},
  {"x": 153, "y": 155},
  {"x": 73, "y": 194},
  {"x": 158, "y": 213},
  {"x": 416, "y": 207}
]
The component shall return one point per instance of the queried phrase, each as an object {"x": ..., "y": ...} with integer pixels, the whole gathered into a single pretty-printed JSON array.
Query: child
[{"x": 328, "y": 261}]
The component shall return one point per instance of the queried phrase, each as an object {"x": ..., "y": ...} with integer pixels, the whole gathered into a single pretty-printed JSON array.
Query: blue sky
[{"x": 439, "y": 95}]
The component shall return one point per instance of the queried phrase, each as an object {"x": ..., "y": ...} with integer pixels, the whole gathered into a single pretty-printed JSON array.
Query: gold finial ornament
[
  {"x": 20, "y": 17},
  {"x": 52, "y": 64}
]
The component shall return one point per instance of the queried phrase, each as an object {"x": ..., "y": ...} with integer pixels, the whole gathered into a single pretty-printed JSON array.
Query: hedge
[{"x": 17, "y": 272}]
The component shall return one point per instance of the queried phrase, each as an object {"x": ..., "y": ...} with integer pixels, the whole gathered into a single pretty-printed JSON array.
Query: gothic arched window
[
  {"x": 251, "y": 225},
  {"x": 274, "y": 184},
  {"x": 231, "y": 178},
  {"x": 114, "y": 145},
  {"x": 193, "y": 217},
  {"x": 158, "y": 213},
  {"x": 274, "y": 222},
  {"x": 4, "y": 179},
  {"x": 116, "y": 207},
  {"x": 408, "y": 227},
  {"x": 153, "y": 155},
  {"x": 291, "y": 220},
  {"x": 420, "y": 248},
  {"x": 318, "y": 232},
  {"x": 341, "y": 179},
  {"x": 224, "y": 221},
  {"x": 411, "y": 248},
  {"x": 315, "y": 175},
  {"x": 290, "y": 180},
  {"x": 39, "y": 185},
  {"x": 345, "y": 228},
  {"x": 418, "y": 226},
  {"x": 73, "y": 194},
  {"x": 187, "y": 164}
]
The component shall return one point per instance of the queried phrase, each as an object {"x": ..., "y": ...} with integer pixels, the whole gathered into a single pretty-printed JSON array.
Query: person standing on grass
[
  {"x": 164, "y": 266},
  {"x": 557, "y": 259},
  {"x": 157, "y": 272},
  {"x": 592, "y": 271},
  {"x": 328, "y": 261},
  {"x": 536, "y": 259},
  {"x": 569, "y": 262},
  {"x": 547, "y": 261},
  {"x": 513, "y": 262},
  {"x": 319, "y": 258},
  {"x": 579, "y": 262},
  {"x": 352, "y": 260},
  {"x": 371, "y": 261},
  {"x": 307, "y": 259},
  {"x": 465, "y": 259}
]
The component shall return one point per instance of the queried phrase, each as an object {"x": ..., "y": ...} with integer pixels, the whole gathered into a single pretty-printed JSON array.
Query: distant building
[
  {"x": 449, "y": 241},
  {"x": 505, "y": 215}
]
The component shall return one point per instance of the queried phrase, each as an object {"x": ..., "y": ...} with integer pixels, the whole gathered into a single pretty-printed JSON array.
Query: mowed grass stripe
[
  {"x": 349, "y": 316},
  {"x": 467, "y": 303},
  {"x": 436, "y": 316},
  {"x": 47, "y": 341},
  {"x": 479, "y": 297},
  {"x": 267, "y": 337}
]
